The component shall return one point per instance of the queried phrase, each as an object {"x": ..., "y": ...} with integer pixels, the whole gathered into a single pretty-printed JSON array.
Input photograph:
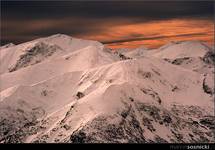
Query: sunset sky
[{"x": 126, "y": 24}]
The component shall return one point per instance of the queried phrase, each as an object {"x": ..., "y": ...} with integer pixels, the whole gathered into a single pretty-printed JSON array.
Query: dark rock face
[
  {"x": 147, "y": 122},
  {"x": 121, "y": 128},
  {"x": 16, "y": 127},
  {"x": 44, "y": 93},
  {"x": 167, "y": 119},
  {"x": 79, "y": 138},
  {"x": 152, "y": 93},
  {"x": 131, "y": 99},
  {"x": 30, "y": 57},
  {"x": 145, "y": 74},
  {"x": 209, "y": 57},
  {"x": 121, "y": 56},
  {"x": 179, "y": 61},
  {"x": 209, "y": 122},
  {"x": 175, "y": 88},
  {"x": 167, "y": 60},
  {"x": 80, "y": 95},
  {"x": 206, "y": 88},
  {"x": 13, "y": 134},
  {"x": 130, "y": 125},
  {"x": 122, "y": 132}
]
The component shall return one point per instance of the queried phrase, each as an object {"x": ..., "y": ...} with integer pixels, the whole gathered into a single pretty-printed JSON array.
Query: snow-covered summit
[
  {"x": 7, "y": 46},
  {"x": 69, "y": 43},
  {"x": 182, "y": 49}
]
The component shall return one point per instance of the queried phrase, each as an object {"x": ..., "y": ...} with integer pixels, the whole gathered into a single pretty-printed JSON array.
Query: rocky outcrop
[
  {"x": 206, "y": 88},
  {"x": 131, "y": 125},
  {"x": 34, "y": 55},
  {"x": 209, "y": 57}
]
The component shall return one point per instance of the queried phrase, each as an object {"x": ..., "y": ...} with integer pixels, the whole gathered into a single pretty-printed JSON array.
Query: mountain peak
[
  {"x": 58, "y": 35},
  {"x": 182, "y": 49},
  {"x": 7, "y": 45},
  {"x": 69, "y": 43}
]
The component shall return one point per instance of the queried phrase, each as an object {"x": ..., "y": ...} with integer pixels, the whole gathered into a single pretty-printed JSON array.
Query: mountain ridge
[{"x": 87, "y": 93}]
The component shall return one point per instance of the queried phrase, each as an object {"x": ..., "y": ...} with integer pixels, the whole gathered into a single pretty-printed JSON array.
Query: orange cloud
[
  {"x": 165, "y": 30},
  {"x": 115, "y": 32}
]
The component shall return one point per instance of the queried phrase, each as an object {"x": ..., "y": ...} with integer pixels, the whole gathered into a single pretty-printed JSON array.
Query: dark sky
[{"x": 26, "y": 20}]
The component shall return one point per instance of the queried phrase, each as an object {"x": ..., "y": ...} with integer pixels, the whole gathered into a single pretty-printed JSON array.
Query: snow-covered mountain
[{"x": 63, "y": 89}]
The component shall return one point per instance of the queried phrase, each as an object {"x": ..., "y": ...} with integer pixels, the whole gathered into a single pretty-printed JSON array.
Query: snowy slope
[
  {"x": 83, "y": 59},
  {"x": 192, "y": 55},
  {"x": 137, "y": 52},
  {"x": 183, "y": 49},
  {"x": 86, "y": 93},
  {"x": 36, "y": 51}
]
